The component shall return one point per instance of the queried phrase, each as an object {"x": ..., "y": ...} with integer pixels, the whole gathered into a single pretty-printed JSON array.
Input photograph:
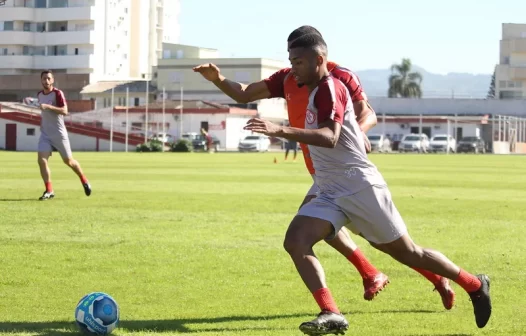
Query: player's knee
[
  {"x": 42, "y": 161},
  {"x": 70, "y": 162},
  {"x": 296, "y": 242}
]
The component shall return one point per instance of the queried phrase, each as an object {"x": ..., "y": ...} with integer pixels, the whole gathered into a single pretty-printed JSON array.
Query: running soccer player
[
  {"x": 282, "y": 84},
  {"x": 353, "y": 193},
  {"x": 53, "y": 134}
]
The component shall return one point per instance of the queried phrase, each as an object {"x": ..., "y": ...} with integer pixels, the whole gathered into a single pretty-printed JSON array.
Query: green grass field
[{"x": 192, "y": 244}]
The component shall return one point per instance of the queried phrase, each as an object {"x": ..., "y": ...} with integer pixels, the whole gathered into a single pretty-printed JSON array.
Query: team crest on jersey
[{"x": 310, "y": 117}]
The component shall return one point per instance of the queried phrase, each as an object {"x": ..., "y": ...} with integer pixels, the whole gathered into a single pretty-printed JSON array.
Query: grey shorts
[
  {"x": 61, "y": 144},
  {"x": 370, "y": 212}
]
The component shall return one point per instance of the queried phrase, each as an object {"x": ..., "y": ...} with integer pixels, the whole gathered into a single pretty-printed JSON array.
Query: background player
[
  {"x": 282, "y": 84},
  {"x": 352, "y": 192},
  {"x": 53, "y": 134}
]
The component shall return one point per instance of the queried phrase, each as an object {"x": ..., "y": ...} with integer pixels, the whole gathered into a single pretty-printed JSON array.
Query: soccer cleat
[
  {"x": 481, "y": 302},
  {"x": 373, "y": 286},
  {"x": 446, "y": 292},
  {"x": 326, "y": 323},
  {"x": 87, "y": 188},
  {"x": 47, "y": 195}
]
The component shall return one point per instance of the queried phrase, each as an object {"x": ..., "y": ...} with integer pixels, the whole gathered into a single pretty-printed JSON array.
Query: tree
[
  {"x": 491, "y": 91},
  {"x": 403, "y": 82}
]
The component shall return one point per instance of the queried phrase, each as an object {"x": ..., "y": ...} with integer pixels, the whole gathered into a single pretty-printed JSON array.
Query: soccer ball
[
  {"x": 97, "y": 314},
  {"x": 31, "y": 101}
]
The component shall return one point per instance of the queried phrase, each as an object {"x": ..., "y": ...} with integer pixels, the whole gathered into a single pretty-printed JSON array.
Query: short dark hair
[
  {"x": 303, "y": 30},
  {"x": 45, "y": 72},
  {"x": 313, "y": 42}
]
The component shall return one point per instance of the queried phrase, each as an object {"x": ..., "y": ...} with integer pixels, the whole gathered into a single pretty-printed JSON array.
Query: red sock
[
  {"x": 432, "y": 277},
  {"x": 468, "y": 281},
  {"x": 49, "y": 187},
  {"x": 83, "y": 179},
  {"x": 366, "y": 269},
  {"x": 324, "y": 299}
]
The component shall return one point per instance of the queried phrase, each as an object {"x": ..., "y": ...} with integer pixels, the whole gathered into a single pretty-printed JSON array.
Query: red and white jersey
[
  {"x": 345, "y": 169},
  {"x": 52, "y": 124}
]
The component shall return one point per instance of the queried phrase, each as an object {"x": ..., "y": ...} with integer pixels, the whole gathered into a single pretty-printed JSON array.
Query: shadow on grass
[
  {"x": 68, "y": 328},
  {"x": 18, "y": 199}
]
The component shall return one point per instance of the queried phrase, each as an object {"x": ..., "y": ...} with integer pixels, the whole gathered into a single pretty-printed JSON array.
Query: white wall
[
  {"x": 395, "y": 128},
  {"x": 430, "y": 106},
  {"x": 78, "y": 142}
]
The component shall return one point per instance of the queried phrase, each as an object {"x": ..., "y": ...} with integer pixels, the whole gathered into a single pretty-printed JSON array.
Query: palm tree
[{"x": 403, "y": 82}]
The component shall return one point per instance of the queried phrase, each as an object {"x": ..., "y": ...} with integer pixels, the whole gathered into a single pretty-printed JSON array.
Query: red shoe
[
  {"x": 446, "y": 292},
  {"x": 373, "y": 286}
]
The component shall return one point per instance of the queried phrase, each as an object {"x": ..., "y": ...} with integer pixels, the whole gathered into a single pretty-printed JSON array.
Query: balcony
[
  {"x": 16, "y": 62},
  {"x": 67, "y": 14},
  {"x": 64, "y": 38},
  {"x": 65, "y": 62},
  {"x": 17, "y": 14},
  {"x": 16, "y": 38}
]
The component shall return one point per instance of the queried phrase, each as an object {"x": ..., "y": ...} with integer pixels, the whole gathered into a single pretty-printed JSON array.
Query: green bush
[
  {"x": 151, "y": 146},
  {"x": 182, "y": 146}
]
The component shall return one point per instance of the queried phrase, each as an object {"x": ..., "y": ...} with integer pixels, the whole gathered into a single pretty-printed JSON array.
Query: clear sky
[{"x": 440, "y": 36}]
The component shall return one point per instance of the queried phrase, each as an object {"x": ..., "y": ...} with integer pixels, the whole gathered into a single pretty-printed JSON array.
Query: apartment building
[
  {"x": 82, "y": 41},
  {"x": 510, "y": 75}
]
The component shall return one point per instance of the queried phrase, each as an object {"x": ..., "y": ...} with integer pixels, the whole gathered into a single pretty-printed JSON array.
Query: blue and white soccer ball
[{"x": 97, "y": 314}]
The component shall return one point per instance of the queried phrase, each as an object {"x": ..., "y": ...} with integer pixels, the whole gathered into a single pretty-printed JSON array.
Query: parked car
[
  {"x": 200, "y": 143},
  {"x": 414, "y": 143},
  {"x": 191, "y": 136},
  {"x": 163, "y": 137},
  {"x": 380, "y": 143},
  {"x": 471, "y": 144},
  {"x": 254, "y": 143},
  {"x": 442, "y": 142}
]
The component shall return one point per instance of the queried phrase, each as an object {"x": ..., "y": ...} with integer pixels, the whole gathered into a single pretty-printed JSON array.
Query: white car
[
  {"x": 414, "y": 143},
  {"x": 163, "y": 137},
  {"x": 380, "y": 143},
  {"x": 254, "y": 143},
  {"x": 441, "y": 143}
]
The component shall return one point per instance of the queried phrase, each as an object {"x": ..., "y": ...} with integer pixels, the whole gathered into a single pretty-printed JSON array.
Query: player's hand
[
  {"x": 367, "y": 143},
  {"x": 44, "y": 106},
  {"x": 262, "y": 126},
  {"x": 209, "y": 71}
]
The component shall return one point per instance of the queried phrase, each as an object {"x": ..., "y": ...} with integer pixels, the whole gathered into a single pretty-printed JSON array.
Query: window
[
  {"x": 136, "y": 101},
  {"x": 8, "y": 25},
  {"x": 510, "y": 94},
  {"x": 57, "y": 50},
  {"x": 502, "y": 84},
  {"x": 76, "y": 51},
  {"x": 41, "y": 51},
  {"x": 40, "y": 4},
  {"x": 27, "y": 50},
  {"x": 30, "y": 132},
  {"x": 5, "y": 51},
  {"x": 27, "y": 26},
  {"x": 41, "y": 27},
  {"x": 58, "y": 3}
]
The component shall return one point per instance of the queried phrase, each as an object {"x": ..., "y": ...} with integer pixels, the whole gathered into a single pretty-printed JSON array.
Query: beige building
[
  {"x": 82, "y": 41},
  {"x": 510, "y": 78},
  {"x": 174, "y": 73}
]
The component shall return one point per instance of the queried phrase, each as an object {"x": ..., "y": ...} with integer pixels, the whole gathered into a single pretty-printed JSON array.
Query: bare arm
[
  {"x": 242, "y": 93},
  {"x": 366, "y": 115},
  {"x": 325, "y": 136},
  {"x": 58, "y": 110}
]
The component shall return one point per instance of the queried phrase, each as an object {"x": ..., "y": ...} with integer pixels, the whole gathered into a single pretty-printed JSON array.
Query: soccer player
[
  {"x": 353, "y": 193},
  {"x": 283, "y": 84},
  {"x": 53, "y": 134}
]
